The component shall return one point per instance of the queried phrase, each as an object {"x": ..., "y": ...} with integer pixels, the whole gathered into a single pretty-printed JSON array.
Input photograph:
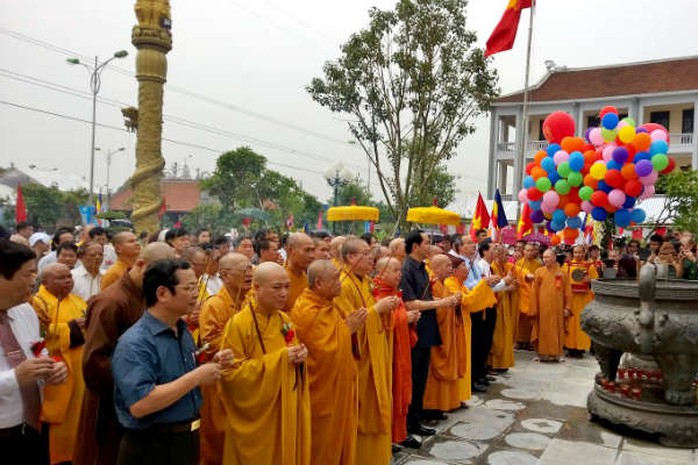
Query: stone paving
[{"x": 536, "y": 414}]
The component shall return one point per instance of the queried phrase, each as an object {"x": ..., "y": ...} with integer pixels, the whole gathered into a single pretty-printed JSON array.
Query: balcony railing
[
  {"x": 534, "y": 145},
  {"x": 680, "y": 139}
]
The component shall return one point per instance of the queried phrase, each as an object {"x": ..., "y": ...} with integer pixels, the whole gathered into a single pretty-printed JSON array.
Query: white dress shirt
[
  {"x": 109, "y": 257},
  {"x": 25, "y": 326},
  {"x": 213, "y": 284},
  {"x": 84, "y": 284},
  {"x": 486, "y": 271}
]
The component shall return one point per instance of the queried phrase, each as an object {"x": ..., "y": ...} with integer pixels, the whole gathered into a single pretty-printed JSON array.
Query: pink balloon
[
  {"x": 658, "y": 134},
  {"x": 621, "y": 124},
  {"x": 560, "y": 157},
  {"x": 650, "y": 179},
  {"x": 587, "y": 206},
  {"x": 551, "y": 198},
  {"x": 523, "y": 195},
  {"x": 547, "y": 208},
  {"x": 647, "y": 193},
  {"x": 608, "y": 152},
  {"x": 616, "y": 197},
  {"x": 595, "y": 137}
]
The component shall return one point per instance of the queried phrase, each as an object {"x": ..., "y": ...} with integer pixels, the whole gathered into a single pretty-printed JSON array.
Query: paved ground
[{"x": 536, "y": 414}]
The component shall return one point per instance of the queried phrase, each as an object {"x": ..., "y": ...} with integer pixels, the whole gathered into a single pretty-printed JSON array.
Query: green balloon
[
  {"x": 543, "y": 184},
  {"x": 562, "y": 187},
  {"x": 660, "y": 161},
  {"x": 629, "y": 120},
  {"x": 575, "y": 178},
  {"x": 585, "y": 193},
  {"x": 563, "y": 169},
  {"x": 609, "y": 135}
]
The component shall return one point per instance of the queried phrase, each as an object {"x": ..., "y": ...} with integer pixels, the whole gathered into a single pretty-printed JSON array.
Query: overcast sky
[{"x": 240, "y": 67}]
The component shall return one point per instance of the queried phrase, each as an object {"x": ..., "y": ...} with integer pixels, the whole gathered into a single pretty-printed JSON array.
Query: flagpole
[{"x": 522, "y": 155}]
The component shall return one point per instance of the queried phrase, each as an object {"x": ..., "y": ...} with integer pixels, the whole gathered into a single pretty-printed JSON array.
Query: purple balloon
[
  {"x": 537, "y": 216},
  {"x": 586, "y": 134},
  {"x": 620, "y": 155},
  {"x": 643, "y": 168}
]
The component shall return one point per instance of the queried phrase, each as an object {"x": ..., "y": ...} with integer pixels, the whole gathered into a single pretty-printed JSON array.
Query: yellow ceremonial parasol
[
  {"x": 432, "y": 215},
  {"x": 353, "y": 213}
]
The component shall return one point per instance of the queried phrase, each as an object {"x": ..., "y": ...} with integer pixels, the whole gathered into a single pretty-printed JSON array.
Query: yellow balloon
[
  {"x": 626, "y": 134},
  {"x": 598, "y": 170}
]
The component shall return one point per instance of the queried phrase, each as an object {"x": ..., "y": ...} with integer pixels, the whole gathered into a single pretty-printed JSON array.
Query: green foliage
[
  {"x": 681, "y": 190},
  {"x": 50, "y": 207},
  {"x": 235, "y": 178},
  {"x": 414, "y": 84},
  {"x": 208, "y": 215}
]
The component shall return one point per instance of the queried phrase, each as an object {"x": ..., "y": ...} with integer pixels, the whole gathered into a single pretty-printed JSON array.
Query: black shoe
[
  {"x": 483, "y": 381},
  {"x": 464, "y": 406},
  {"x": 411, "y": 442},
  {"x": 476, "y": 387},
  {"x": 490, "y": 378},
  {"x": 421, "y": 430},
  {"x": 397, "y": 448}
]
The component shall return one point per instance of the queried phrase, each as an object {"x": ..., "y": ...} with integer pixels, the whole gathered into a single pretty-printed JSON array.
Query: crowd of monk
[{"x": 324, "y": 350}]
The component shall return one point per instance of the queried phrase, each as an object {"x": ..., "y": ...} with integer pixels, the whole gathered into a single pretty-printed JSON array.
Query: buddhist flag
[
  {"x": 525, "y": 225},
  {"x": 20, "y": 206},
  {"x": 504, "y": 34},
  {"x": 98, "y": 203},
  {"x": 499, "y": 217},
  {"x": 481, "y": 219}
]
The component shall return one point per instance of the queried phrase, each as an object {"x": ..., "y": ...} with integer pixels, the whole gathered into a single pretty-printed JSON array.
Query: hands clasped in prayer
[{"x": 297, "y": 354}]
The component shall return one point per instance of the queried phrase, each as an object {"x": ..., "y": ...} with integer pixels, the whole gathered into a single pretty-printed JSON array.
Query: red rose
[
  {"x": 38, "y": 347},
  {"x": 57, "y": 358},
  {"x": 288, "y": 337}
]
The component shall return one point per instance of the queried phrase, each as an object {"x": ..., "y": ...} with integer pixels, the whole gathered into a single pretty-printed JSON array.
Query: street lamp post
[
  {"x": 95, "y": 83},
  {"x": 110, "y": 152},
  {"x": 337, "y": 177}
]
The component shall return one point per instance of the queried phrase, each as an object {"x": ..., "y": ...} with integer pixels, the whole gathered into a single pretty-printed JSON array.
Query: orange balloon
[
  {"x": 571, "y": 144},
  {"x": 589, "y": 156},
  {"x": 539, "y": 156},
  {"x": 628, "y": 171},
  {"x": 571, "y": 209},
  {"x": 590, "y": 181},
  {"x": 570, "y": 233},
  {"x": 642, "y": 141},
  {"x": 555, "y": 240},
  {"x": 538, "y": 172}
]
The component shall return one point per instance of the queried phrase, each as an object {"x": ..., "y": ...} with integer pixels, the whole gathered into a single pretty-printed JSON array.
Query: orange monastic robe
[
  {"x": 549, "y": 298},
  {"x": 299, "y": 282},
  {"x": 524, "y": 267},
  {"x": 504, "y": 337},
  {"x": 580, "y": 296},
  {"x": 373, "y": 444},
  {"x": 404, "y": 338},
  {"x": 62, "y": 402},
  {"x": 332, "y": 376},
  {"x": 215, "y": 313},
  {"x": 113, "y": 274},
  {"x": 450, "y": 362},
  {"x": 265, "y": 397}
]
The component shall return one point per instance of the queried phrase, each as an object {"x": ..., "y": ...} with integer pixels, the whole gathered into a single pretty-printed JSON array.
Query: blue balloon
[
  {"x": 529, "y": 182},
  {"x": 557, "y": 225},
  {"x": 613, "y": 165},
  {"x": 609, "y": 121},
  {"x": 535, "y": 204},
  {"x": 638, "y": 215},
  {"x": 574, "y": 222},
  {"x": 602, "y": 186},
  {"x": 559, "y": 215},
  {"x": 629, "y": 202},
  {"x": 622, "y": 218},
  {"x": 658, "y": 146},
  {"x": 548, "y": 164},
  {"x": 554, "y": 177},
  {"x": 642, "y": 156},
  {"x": 576, "y": 161},
  {"x": 553, "y": 149},
  {"x": 599, "y": 213}
]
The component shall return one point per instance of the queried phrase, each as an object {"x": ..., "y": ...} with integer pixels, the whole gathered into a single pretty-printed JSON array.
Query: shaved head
[
  {"x": 320, "y": 269},
  {"x": 233, "y": 260},
  {"x": 441, "y": 266},
  {"x": 268, "y": 271},
  {"x": 156, "y": 251},
  {"x": 298, "y": 239},
  {"x": 57, "y": 279},
  {"x": 51, "y": 270}
]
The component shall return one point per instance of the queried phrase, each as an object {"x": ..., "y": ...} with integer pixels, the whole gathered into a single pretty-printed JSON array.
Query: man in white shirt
[
  {"x": 22, "y": 374},
  {"x": 88, "y": 274}
]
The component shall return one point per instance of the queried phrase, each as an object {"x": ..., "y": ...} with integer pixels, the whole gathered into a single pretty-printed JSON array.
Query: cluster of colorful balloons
[{"x": 604, "y": 173}]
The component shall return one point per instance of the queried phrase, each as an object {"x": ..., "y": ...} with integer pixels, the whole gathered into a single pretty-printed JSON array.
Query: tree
[
  {"x": 681, "y": 190},
  {"x": 51, "y": 207},
  {"x": 208, "y": 215},
  {"x": 414, "y": 83},
  {"x": 234, "y": 180}
]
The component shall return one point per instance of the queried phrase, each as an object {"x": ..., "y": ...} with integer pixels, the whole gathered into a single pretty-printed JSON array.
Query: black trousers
[
  {"x": 159, "y": 448},
  {"x": 420, "y": 371},
  {"x": 481, "y": 340},
  {"x": 22, "y": 444}
]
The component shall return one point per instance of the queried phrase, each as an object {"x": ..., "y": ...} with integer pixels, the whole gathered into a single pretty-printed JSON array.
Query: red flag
[
  {"x": 525, "y": 225},
  {"x": 20, "y": 206},
  {"x": 460, "y": 229},
  {"x": 318, "y": 226},
  {"x": 504, "y": 34},
  {"x": 163, "y": 209},
  {"x": 637, "y": 234},
  {"x": 481, "y": 219}
]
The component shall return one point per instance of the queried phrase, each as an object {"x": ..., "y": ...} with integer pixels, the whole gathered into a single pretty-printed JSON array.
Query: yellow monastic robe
[
  {"x": 504, "y": 337},
  {"x": 265, "y": 397},
  {"x": 450, "y": 362},
  {"x": 333, "y": 377},
  {"x": 215, "y": 313},
  {"x": 549, "y": 298},
  {"x": 373, "y": 444},
  {"x": 580, "y": 296},
  {"x": 62, "y": 402},
  {"x": 524, "y": 267},
  {"x": 299, "y": 282},
  {"x": 113, "y": 273}
]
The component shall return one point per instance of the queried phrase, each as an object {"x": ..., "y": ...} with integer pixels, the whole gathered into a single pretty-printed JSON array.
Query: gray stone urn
[{"x": 655, "y": 323}]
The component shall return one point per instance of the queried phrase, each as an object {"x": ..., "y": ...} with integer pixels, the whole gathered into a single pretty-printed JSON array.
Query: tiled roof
[
  {"x": 181, "y": 195},
  {"x": 670, "y": 75}
]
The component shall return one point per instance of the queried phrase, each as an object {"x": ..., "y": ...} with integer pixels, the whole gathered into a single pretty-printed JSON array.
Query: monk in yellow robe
[
  {"x": 332, "y": 370},
  {"x": 301, "y": 253},
  {"x": 550, "y": 306},
  {"x": 525, "y": 269},
  {"x": 449, "y": 362},
  {"x": 265, "y": 394},
  {"x": 373, "y": 443},
  {"x": 235, "y": 271},
  {"x": 579, "y": 272},
  {"x": 127, "y": 250},
  {"x": 62, "y": 317},
  {"x": 504, "y": 337}
]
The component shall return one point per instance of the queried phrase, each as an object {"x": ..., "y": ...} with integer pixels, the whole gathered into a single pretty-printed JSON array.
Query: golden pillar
[{"x": 153, "y": 39}]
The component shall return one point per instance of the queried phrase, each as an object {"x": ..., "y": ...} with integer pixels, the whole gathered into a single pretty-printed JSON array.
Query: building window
[
  {"x": 660, "y": 117},
  {"x": 593, "y": 121},
  {"x": 687, "y": 121}
]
